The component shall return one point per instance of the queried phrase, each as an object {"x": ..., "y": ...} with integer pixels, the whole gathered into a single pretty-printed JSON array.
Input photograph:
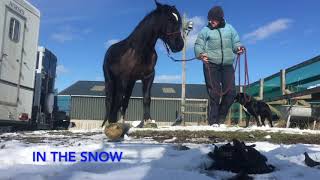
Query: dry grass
[
  {"x": 214, "y": 136},
  {"x": 281, "y": 123}
]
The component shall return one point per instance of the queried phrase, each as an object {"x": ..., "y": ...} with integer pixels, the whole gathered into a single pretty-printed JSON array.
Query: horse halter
[
  {"x": 167, "y": 35},
  {"x": 173, "y": 33},
  {"x": 168, "y": 49}
]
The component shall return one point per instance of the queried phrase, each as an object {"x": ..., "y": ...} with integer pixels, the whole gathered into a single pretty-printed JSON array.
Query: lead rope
[
  {"x": 246, "y": 75},
  {"x": 174, "y": 59},
  {"x": 237, "y": 66}
]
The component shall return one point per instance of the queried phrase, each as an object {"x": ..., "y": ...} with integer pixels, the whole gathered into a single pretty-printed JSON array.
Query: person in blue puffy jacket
[{"x": 217, "y": 45}]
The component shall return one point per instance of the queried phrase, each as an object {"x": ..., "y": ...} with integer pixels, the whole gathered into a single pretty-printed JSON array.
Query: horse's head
[{"x": 170, "y": 26}]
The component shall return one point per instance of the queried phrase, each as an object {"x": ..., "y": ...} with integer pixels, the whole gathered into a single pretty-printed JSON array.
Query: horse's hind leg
[
  {"x": 109, "y": 91},
  {"x": 125, "y": 101},
  {"x": 116, "y": 101}
]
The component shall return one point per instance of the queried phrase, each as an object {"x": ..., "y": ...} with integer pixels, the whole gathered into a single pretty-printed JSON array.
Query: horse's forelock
[
  {"x": 166, "y": 11},
  {"x": 172, "y": 11}
]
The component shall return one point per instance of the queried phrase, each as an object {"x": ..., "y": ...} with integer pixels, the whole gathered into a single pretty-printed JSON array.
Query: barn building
[{"x": 84, "y": 100}]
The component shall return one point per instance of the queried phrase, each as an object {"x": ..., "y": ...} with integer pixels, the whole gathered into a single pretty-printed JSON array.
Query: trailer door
[{"x": 11, "y": 57}]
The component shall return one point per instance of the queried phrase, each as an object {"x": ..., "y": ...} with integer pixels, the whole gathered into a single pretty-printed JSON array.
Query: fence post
[
  {"x": 283, "y": 81},
  {"x": 261, "y": 89}
]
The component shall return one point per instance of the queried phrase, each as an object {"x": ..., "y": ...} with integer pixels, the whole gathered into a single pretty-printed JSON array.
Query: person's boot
[
  {"x": 222, "y": 120},
  {"x": 215, "y": 125}
]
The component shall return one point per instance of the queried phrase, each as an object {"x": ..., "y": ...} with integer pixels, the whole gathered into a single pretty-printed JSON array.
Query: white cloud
[
  {"x": 62, "y": 37},
  {"x": 110, "y": 42},
  {"x": 167, "y": 78},
  {"x": 309, "y": 31},
  {"x": 198, "y": 23},
  {"x": 87, "y": 31},
  {"x": 62, "y": 20},
  {"x": 69, "y": 33},
  {"x": 99, "y": 78},
  {"x": 268, "y": 30},
  {"x": 61, "y": 69}
]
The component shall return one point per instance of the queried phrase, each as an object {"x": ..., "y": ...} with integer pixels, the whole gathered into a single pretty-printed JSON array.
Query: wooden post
[
  {"x": 288, "y": 119},
  {"x": 283, "y": 81},
  {"x": 261, "y": 89},
  {"x": 183, "y": 84}
]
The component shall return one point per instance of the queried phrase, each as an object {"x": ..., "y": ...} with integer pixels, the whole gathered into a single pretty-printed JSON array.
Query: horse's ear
[{"x": 158, "y": 4}]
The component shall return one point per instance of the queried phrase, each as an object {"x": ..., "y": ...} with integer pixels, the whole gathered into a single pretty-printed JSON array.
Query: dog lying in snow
[{"x": 257, "y": 109}]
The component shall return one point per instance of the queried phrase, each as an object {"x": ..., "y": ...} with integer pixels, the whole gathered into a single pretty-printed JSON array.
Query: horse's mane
[{"x": 145, "y": 22}]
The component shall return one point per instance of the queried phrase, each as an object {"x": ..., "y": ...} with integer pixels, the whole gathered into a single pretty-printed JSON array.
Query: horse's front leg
[
  {"x": 146, "y": 90},
  {"x": 125, "y": 102}
]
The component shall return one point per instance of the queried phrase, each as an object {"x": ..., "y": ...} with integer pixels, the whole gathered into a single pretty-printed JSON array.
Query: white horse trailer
[{"x": 19, "y": 32}]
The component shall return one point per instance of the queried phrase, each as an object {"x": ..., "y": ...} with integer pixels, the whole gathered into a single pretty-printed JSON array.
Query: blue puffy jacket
[{"x": 220, "y": 44}]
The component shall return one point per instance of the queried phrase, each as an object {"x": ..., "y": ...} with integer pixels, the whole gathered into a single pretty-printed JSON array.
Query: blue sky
[{"x": 277, "y": 34}]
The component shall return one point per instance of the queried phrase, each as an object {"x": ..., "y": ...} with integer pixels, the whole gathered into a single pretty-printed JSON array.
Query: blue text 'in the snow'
[{"x": 71, "y": 156}]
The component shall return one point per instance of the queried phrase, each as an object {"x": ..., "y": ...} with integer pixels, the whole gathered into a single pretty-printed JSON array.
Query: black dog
[{"x": 255, "y": 108}]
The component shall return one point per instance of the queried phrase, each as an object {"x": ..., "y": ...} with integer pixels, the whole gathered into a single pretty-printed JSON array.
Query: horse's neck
[{"x": 145, "y": 35}]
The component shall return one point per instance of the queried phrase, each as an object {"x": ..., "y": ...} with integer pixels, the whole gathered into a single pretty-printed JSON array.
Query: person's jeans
[{"x": 220, "y": 82}]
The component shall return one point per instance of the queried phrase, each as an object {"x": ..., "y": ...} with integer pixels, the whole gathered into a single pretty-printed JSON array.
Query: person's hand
[
  {"x": 241, "y": 50},
  {"x": 204, "y": 57}
]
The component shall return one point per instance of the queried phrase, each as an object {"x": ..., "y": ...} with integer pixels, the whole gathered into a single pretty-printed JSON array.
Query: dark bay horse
[{"x": 134, "y": 58}]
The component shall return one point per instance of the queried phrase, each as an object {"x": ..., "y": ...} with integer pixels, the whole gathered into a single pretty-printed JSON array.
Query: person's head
[{"x": 216, "y": 16}]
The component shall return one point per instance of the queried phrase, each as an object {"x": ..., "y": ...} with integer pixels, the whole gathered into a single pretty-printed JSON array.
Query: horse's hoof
[
  {"x": 115, "y": 131},
  {"x": 122, "y": 120},
  {"x": 150, "y": 125}
]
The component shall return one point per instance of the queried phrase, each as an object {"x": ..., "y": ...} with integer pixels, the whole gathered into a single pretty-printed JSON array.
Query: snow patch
[{"x": 142, "y": 158}]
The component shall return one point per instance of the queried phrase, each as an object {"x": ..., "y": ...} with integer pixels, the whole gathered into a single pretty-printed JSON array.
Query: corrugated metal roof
[{"x": 161, "y": 90}]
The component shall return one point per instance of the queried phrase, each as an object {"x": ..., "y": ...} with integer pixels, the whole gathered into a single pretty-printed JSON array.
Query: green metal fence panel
[
  {"x": 254, "y": 89},
  {"x": 235, "y": 113},
  {"x": 135, "y": 110},
  {"x": 303, "y": 77},
  {"x": 164, "y": 110},
  {"x": 87, "y": 108},
  {"x": 300, "y": 77},
  {"x": 271, "y": 86}
]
